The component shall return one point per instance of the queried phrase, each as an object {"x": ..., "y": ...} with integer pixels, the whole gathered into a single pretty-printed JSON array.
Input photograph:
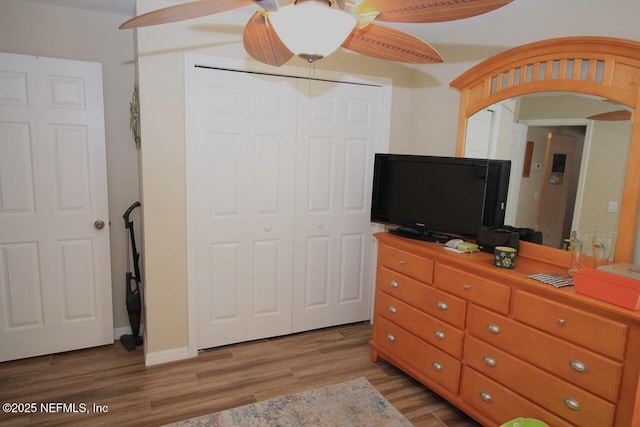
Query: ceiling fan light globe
[{"x": 312, "y": 28}]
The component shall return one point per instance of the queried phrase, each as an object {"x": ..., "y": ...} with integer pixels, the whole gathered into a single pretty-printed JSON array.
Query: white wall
[
  {"x": 424, "y": 116},
  {"x": 424, "y": 109},
  {"x": 527, "y": 212},
  {"x": 161, "y": 75},
  {"x": 38, "y": 29},
  {"x": 609, "y": 146},
  {"x": 465, "y": 43}
]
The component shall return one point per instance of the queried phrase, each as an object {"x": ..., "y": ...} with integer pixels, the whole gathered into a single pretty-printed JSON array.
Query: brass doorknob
[{"x": 99, "y": 224}]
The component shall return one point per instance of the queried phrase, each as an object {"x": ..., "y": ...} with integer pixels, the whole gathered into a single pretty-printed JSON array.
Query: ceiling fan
[
  {"x": 313, "y": 29},
  {"x": 617, "y": 115}
]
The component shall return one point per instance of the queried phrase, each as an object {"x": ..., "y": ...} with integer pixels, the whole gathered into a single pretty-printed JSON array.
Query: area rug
[{"x": 350, "y": 404}]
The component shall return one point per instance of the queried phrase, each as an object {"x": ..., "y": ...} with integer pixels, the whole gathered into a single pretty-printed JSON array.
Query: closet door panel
[
  {"x": 318, "y": 176},
  {"x": 314, "y": 268},
  {"x": 351, "y": 283},
  {"x": 354, "y": 295},
  {"x": 355, "y": 185},
  {"x": 336, "y": 141},
  {"x": 316, "y": 280},
  {"x": 240, "y": 202},
  {"x": 265, "y": 283}
]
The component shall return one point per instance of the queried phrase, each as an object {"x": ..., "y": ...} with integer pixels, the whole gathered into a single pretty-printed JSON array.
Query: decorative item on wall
[
  {"x": 556, "y": 178},
  {"x": 559, "y": 162},
  {"x": 134, "y": 112},
  {"x": 528, "y": 156},
  {"x": 557, "y": 169}
]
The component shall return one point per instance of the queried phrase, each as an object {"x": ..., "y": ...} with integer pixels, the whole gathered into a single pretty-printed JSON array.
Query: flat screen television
[{"x": 438, "y": 198}]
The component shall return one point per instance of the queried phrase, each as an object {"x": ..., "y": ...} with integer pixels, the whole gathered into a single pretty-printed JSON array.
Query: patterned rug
[{"x": 350, "y": 404}]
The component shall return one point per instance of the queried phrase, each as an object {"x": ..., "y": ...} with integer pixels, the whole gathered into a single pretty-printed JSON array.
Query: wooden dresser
[{"x": 499, "y": 345}]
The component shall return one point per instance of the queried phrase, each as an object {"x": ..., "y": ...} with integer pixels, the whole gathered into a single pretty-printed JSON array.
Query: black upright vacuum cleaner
[{"x": 132, "y": 284}]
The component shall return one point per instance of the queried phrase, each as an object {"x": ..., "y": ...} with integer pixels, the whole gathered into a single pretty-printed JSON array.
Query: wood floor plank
[{"x": 116, "y": 380}]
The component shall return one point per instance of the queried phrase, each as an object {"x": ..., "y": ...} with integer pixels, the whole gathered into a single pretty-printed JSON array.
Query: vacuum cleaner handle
[
  {"x": 128, "y": 212},
  {"x": 129, "y": 224}
]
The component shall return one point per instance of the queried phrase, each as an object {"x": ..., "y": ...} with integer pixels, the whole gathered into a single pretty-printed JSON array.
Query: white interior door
[
  {"x": 517, "y": 154},
  {"x": 479, "y": 141},
  {"x": 241, "y": 197},
  {"x": 55, "y": 279},
  {"x": 339, "y": 127}
]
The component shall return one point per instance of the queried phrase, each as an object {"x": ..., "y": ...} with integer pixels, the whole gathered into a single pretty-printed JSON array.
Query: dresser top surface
[{"x": 481, "y": 263}]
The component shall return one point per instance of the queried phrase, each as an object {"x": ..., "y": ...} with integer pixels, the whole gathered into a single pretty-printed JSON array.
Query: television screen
[{"x": 435, "y": 198}]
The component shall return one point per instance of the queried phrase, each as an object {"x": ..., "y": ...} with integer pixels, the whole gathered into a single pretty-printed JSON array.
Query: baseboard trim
[{"x": 165, "y": 356}]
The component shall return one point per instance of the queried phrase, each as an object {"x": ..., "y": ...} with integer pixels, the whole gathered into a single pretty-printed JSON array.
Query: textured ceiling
[
  {"x": 118, "y": 7},
  {"x": 474, "y": 38}
]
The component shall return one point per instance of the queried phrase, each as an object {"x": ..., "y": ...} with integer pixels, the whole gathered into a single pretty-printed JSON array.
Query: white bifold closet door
[
  {"x": 338, "y": 128},
  {"x": 279, "y": 199}
]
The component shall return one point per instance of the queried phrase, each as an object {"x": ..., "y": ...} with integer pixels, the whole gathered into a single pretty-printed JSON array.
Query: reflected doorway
[{"x": 549, "y": 181}]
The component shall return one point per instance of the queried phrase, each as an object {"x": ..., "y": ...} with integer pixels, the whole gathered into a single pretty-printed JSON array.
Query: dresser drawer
[
  {"x": 417, "y": 354},
  {"x": 499, "y": 403},
  {"x": 430, "y": 329},
  {"x": 584, "y": 368},
  {"x": 406, "y": 263},
  {"x": 474, "y": 288},
  {"x": 560, "y": 397},
  {"x": 603, "y": 335},
  {"x": 432, "y": 301}
]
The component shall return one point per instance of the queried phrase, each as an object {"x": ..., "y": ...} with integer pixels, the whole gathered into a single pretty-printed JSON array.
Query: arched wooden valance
[{"x": 599, "y": 66}]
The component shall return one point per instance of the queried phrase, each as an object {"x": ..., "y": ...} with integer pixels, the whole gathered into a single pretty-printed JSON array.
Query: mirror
[
  {"x": 561, "y": 147},
  {"x": 600, "y": 67}
]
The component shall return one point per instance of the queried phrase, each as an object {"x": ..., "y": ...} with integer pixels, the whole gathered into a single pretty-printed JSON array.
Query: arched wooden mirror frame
[{"x": 600, "y": 66}]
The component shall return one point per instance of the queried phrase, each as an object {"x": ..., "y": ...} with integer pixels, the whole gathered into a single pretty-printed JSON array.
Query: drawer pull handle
[
  {"x": 486, "y": 396},
  {"x": 402, "y": 262},
  {"x": 560, "y": 322},
  {"x": 392, "y": 309},
  {"x": 466, "y": 287},
  {"x": 394, "y": 284},
  {"x": 578, "y": 365},
  {"x": 490, "y": 361},
  {"x": 442, "y": 305},
  {"x": 391, "y": 338},
  {"x": 493, "y": 328},
  {"x": 572, "y": 404},
  {"x": 440, "y": 335},
  {"x": 437, "y": 366}
]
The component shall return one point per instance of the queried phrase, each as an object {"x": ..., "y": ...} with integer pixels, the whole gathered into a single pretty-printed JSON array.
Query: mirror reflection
[{"x": 569, "y": 154}]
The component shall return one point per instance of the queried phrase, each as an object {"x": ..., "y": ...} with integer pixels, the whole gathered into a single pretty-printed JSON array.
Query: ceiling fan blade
[
  {"x": 262, "y": 43},
  {"x": 414, "y": 11},
  {"x": 612, "y": 116},
  {"x": 393, "y": 45},
  {"x": 194, "y": 9}
]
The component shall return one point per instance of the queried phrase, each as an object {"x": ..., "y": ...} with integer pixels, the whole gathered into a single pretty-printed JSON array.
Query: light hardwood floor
[{"x": 116, "y": 379}]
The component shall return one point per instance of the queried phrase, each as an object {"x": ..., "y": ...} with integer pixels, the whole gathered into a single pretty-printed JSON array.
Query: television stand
[{"x": 428, "y": 236}]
